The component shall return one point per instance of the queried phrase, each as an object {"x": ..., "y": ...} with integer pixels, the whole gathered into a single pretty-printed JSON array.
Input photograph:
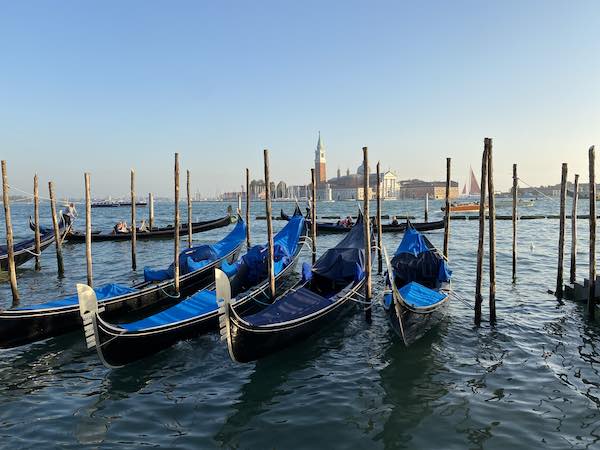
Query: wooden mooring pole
[
  {"x": 151, "y": 210},
  {"x": 492, "y": 224},
  {"x": 12, "y": 270},
  {"x": 426, "y": 207},
  {"x": 573, "y": 272},
  {"x": 591, "y": 305},
  {"x": 561, "y": 235},
  {"x": 88, "y": 230},
  {"x": 378, "y": 222},
  {"x": 176, "y": 240},
  {"x": 133, "y": 220},
  {"x": 271, "y": 263},
  {"x": 313, "y": 215},
  {"x": 57, "y": 237},
  {"x": 515, "y": 192},
  {"x": 367, "y": 225},
  {"x": 247, "y": 207},
  {"x": 36, "y": 218},
  {"x": 447, "y": 211},
  {"x": 481, "y": 241}
]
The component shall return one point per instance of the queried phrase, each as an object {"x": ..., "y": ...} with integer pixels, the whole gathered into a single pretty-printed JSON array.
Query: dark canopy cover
[
  {"x": 417, "y": 260},
  {"x": 347, "y": 259}
]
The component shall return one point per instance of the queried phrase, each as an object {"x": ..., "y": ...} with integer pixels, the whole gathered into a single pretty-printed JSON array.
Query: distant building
[
  {"x": 320, "y": 163},
  {"x": 419, "y": 188}
]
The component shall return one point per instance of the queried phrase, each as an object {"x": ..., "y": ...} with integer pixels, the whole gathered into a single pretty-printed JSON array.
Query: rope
[
  {"x": 537, "y": 190},
  {"x": 32, "y": 253},
  {"x": 461, "y": 299},
  {"x": 29, "y": 194},
  {"x": 169, "y": 295}
]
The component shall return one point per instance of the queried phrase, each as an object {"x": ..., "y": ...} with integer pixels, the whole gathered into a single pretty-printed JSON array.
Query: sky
[{"x": 108, "y": 86}]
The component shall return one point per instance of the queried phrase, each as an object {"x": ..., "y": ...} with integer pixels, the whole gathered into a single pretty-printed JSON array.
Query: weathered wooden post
[
  {"x": 515, "y": 190},
  {"x": 313, "y": 215},
  {"x": 367, "y": 225},
  {"x": 480, "y": 243},
  {"x": 12, "y": 270},
  {"x": 271, "y": 263},
  {"x": 427, "y": 207},
  {"x": 176, "y": 256},
  {"x": 591, "y": 305},
  {"x": 36, "y": 217},
  {"x": 379, "y": 228},
  {"x": 88, "y": 230},
  {"x": 57, "y": 237},
  {"x": 189, "y": 209},
  {"x": 573, "y": 274},
  {"x": 492, "y": 224},
  {"x": 447, "y": 211},
  {"x": 151, "y": 210},
  {"x": 239, "y": 206},
  {"x": 561, "y": 235},
  {"x": 133, "y": 220},
  {"x": 248, "y": 207}
]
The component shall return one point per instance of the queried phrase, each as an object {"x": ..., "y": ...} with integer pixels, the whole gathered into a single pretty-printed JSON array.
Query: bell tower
[{"x": 320, "y": 163}]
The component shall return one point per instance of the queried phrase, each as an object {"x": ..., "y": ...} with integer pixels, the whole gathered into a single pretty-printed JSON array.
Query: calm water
[{"x": 532, "y": 381}]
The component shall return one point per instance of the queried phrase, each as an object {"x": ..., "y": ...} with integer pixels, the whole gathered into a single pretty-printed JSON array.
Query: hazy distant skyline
[{"x": 104, "y": 87}]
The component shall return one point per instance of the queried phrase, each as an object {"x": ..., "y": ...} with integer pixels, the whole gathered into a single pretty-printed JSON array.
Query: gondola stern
[{"x": 223, "y": 290}]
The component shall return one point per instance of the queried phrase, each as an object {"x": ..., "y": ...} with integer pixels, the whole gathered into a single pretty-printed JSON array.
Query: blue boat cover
[
  {"x": 417, "y": 295},
  {"x": 415, "y": 260},
  {"x": 197, "y": 257},
  {"x": 205, "y": 301},
  {"x": 413, "y": 242},
  {"x": 292, "y": 306},
  {"x": 104, "y": 292}
]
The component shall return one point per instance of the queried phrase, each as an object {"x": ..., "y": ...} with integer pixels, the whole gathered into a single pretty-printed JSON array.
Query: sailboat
[{"x": 470, "y": 189}]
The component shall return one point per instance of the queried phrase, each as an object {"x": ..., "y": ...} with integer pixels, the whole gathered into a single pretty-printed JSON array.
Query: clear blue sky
[{"x": 106, "y": 86}]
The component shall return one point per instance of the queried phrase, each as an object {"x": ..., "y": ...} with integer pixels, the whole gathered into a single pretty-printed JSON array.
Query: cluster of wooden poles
[
  {"x": 487, "y": 190},
  {"x": 559, "y": 292}
]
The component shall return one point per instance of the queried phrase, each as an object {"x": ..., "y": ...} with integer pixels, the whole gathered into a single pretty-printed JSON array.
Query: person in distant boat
[
  {"x": 121, "y": 227},
  {"x": 395, "y": 221},
  {"x": 143, "y": 227},
  {"x": 347, "y": 222}
]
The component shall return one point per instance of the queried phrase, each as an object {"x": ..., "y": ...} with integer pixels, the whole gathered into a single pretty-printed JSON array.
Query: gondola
[
  {"x": 155, "y": 233},
  {"x": 119, "y": 344},
  {"x": 418, "y": 287},
  {"x": 326, "y": 291},
  {"x": 334, "y": 228},
  {"x": 19, "y": 326},
  {"x": 25, "y": 250}
]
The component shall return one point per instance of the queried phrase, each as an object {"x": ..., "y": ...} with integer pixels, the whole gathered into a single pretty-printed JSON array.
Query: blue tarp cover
[
  {"x": 418, "y": 295},
  {"x": 205, "y": 301},
  {"x": 105, "y": 292},
  {"x": 413, "y": 242},
  {"x": 197, "y": 257},
  {"x": 414, "y": 260},
  {"x": 298, "y": 304}
]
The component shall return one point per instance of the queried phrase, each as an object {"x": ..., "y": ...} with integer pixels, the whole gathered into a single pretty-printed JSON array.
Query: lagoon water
[{"x": 531, "y": 381}]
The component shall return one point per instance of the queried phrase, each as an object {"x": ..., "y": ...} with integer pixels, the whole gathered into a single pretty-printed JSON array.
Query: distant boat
[
  {"x": 471, "y": 187},
  {"x": 141, "y": 203},
  {"x": 464, "y": 207},
  {"x": 105, "y": 204}
]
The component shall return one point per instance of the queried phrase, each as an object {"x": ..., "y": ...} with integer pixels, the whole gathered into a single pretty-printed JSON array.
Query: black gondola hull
[
  {"x": 247, "y": 343},
  {"x": 415, "y": 325},
  {"x": 20, "y": 327},
  {"x": 161, "y": 233}
]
